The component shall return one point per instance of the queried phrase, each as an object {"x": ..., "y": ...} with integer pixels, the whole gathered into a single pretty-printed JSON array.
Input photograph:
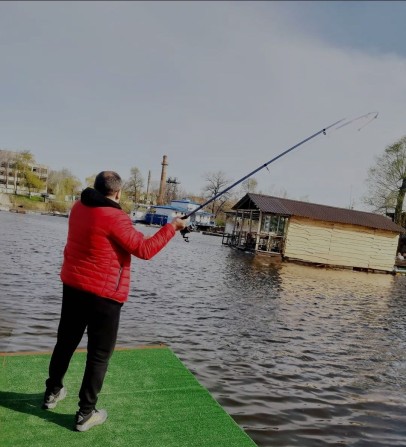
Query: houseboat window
[
  {"x": 266, "y": 223},
  {"x": 281, "y": 226},
  {"x": 273, "y": 224}
]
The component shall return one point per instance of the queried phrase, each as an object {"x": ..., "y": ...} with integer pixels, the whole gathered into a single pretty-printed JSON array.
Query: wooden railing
[{"x": 264, "y": 242}]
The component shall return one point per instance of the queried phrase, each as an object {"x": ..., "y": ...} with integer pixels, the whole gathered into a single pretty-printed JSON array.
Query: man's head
[{"x": 109, "y": 184}]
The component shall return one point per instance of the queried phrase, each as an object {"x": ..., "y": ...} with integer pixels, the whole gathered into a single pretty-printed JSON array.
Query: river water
[{"x": 299, "y": 356}]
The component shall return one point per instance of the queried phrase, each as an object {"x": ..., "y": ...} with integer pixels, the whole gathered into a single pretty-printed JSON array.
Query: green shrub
[
  {"x": 27, "y": 203},
  {"x": 56, "y": 206}
]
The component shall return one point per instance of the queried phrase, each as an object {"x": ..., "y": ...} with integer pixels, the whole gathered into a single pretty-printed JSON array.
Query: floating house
[
  {"x": 312, "y": 233},
  {"x": 161, "y": 214}
]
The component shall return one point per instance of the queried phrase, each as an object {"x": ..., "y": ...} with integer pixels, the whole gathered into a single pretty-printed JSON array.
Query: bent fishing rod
[{"x": 368, "y": 116}]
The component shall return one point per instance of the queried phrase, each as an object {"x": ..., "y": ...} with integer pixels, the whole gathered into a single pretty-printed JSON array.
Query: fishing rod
[{"x": 368, "y": 116}]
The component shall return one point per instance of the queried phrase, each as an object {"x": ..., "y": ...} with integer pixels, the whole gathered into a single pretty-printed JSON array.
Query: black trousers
[{"x": 101, "y": 317}]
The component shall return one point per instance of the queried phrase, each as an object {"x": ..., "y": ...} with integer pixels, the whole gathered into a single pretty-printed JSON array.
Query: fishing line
[
  {"x": 361, "y": 121},
  {"x": 373, "y": 118}
]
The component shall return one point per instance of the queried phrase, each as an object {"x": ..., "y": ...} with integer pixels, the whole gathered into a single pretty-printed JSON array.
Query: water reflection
[{"x": 299, "y": 356}]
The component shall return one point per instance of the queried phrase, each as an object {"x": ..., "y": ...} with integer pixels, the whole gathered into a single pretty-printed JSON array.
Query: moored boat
[{"x": 162, "y": 214}]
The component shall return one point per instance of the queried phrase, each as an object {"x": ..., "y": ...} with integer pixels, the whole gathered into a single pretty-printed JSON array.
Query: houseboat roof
[{"x": 288, "y": 207}]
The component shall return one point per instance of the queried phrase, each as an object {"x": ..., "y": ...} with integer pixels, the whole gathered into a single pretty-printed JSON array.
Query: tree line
[
  {"x": 18, "y": 166},
  {"x": 62, "y": 184},
  {"x": 386, "y": 181},
  {"x": 386, "y": 184}
]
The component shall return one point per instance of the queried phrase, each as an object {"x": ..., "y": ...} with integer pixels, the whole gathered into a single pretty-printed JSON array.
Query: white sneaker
[
  {"x": 86, "y": 422},
  {"x": 50, "y": 400}
]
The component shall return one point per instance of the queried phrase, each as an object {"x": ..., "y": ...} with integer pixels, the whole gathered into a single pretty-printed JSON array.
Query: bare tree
[
  {"x": 7, "y": 160},
  {"x": 249, "y": 185},
  {"x": 90, "y": 180},
  {"x": 215, "y": 183},
  {"x": 387, "y": 181},
  {"x": 153, "y": 192},
  {"x": 133, "y": 186}
]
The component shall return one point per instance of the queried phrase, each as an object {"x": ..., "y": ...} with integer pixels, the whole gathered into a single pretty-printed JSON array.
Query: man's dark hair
[{"x": 107, "y": 183}]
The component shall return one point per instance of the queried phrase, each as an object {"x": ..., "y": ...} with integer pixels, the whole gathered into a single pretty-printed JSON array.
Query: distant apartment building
[{"x": 10, "y": 177}]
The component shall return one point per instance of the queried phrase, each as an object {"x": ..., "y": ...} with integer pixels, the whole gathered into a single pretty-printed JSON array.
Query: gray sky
[{"x": 214, "y": 86}]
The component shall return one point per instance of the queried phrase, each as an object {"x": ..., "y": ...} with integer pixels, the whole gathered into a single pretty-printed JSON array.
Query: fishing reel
[{"x": 189, "y": 229}]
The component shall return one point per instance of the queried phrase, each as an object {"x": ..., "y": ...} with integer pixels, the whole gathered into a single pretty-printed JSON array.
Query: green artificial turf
[{"x": 151, "y": 398}]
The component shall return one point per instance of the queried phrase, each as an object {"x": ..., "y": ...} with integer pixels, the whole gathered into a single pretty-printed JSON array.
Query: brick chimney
[{"x": 162, "y": 185}]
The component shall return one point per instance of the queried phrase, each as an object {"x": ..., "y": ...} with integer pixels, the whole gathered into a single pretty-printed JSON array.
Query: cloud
[{"x": 213, "y": 85}]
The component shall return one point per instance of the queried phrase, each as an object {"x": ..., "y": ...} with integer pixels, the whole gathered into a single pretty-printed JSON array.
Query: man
[{"x": 96, "y": 279}]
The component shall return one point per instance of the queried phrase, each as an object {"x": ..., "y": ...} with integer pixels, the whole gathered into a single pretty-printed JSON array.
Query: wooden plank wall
[{"x": 339, "y": 244}]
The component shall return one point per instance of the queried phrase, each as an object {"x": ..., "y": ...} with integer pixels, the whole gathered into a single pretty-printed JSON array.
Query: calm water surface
[{"x": 299, "y": 356}]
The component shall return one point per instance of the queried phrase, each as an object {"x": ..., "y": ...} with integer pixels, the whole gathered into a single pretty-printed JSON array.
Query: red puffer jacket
[{"x": 101, "y": 240}]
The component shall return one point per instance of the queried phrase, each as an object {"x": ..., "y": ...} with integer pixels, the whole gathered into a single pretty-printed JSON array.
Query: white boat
[{"x": 162, "y": 214}]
